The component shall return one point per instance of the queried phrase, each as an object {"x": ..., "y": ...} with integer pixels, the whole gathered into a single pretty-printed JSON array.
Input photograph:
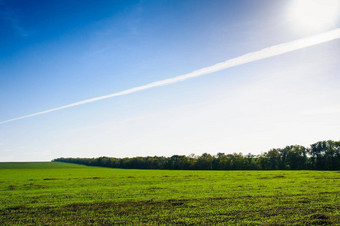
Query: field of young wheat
[{"x": 68, "y": 194}]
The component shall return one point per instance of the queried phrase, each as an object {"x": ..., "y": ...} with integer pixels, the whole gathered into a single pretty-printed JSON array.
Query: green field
[{"x": 61, "y": 193}]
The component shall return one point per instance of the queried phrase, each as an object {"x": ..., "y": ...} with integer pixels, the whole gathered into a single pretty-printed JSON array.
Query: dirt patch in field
[{"x": 51, "y": 178}]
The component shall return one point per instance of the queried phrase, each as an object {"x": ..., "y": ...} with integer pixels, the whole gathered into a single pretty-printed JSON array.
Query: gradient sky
[{"x": 54, "y": 53}]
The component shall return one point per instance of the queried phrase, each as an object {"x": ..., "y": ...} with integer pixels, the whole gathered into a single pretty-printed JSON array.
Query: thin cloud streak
[{"x": 244, "y": 59}]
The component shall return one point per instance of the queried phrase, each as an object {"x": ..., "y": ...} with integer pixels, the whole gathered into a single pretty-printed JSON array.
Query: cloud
[{"x": 244, "y": 59}]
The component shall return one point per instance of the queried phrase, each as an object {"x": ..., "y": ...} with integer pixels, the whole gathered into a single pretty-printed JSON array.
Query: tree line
[{"x": 323, "y": 155}]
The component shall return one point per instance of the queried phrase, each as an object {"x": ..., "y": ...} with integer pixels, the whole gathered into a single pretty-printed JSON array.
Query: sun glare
[{"x": 315, "y": 14}]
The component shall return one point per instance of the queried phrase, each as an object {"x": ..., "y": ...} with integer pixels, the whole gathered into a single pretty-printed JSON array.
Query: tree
[
  {"x": 205, "y": 162},
  {"x": 273, "y": 157},
  {"x": 297, "y": 157}
]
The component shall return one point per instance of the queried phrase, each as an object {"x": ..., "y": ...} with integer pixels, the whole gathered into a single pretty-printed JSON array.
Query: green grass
[
  {"x": 37, "y": 165},
  {"x": 51, "y": 193}
]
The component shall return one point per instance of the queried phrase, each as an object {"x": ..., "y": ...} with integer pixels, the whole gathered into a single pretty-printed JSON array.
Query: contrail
[{"x": 247, "y": 58}]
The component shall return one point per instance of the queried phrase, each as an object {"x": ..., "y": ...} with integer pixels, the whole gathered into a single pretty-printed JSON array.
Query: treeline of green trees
[{"x": 323, "y": 155}]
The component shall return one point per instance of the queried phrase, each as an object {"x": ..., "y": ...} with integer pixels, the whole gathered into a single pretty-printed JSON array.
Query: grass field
[{"x": 61, "y": 193}]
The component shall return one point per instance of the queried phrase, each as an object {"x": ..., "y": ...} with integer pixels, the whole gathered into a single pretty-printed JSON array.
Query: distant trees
[
  {"x": 323, "y": 155},
  {"x": 296, "y": 158}
]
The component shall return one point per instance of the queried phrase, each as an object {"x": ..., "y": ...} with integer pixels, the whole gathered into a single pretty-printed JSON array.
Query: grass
[
  {"x": 68, "y": 194},
  {"x": 37, "y": 165}
]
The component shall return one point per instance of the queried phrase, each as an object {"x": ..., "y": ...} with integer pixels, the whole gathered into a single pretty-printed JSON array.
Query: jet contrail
[{"x": 247, "y": 58}]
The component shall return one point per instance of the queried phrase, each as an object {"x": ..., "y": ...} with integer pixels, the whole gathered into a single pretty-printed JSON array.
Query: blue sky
[{"x": 54, "y": 53}]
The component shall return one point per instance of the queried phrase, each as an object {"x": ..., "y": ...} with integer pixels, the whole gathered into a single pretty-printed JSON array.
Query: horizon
[
  {"x": 192, "y": 155},
  {"x": 54, "y": 54}
]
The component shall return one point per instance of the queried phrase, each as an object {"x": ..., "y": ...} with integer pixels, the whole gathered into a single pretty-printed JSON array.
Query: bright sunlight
[{"x": 314, "y": 15}]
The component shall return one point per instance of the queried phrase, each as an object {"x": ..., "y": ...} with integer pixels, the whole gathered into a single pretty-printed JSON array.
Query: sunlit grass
[{"x": 73, "y": 194}]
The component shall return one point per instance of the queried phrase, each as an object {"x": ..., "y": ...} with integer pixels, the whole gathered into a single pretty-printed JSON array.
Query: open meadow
[{"x": 68, "y": 194}]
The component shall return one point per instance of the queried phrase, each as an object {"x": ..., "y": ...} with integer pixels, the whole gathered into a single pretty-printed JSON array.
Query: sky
[{"x": 55, "y": 53}]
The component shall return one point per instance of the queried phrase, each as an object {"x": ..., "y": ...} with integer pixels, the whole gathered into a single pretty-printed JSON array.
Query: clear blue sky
[{"x": 54, "y": 53}]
